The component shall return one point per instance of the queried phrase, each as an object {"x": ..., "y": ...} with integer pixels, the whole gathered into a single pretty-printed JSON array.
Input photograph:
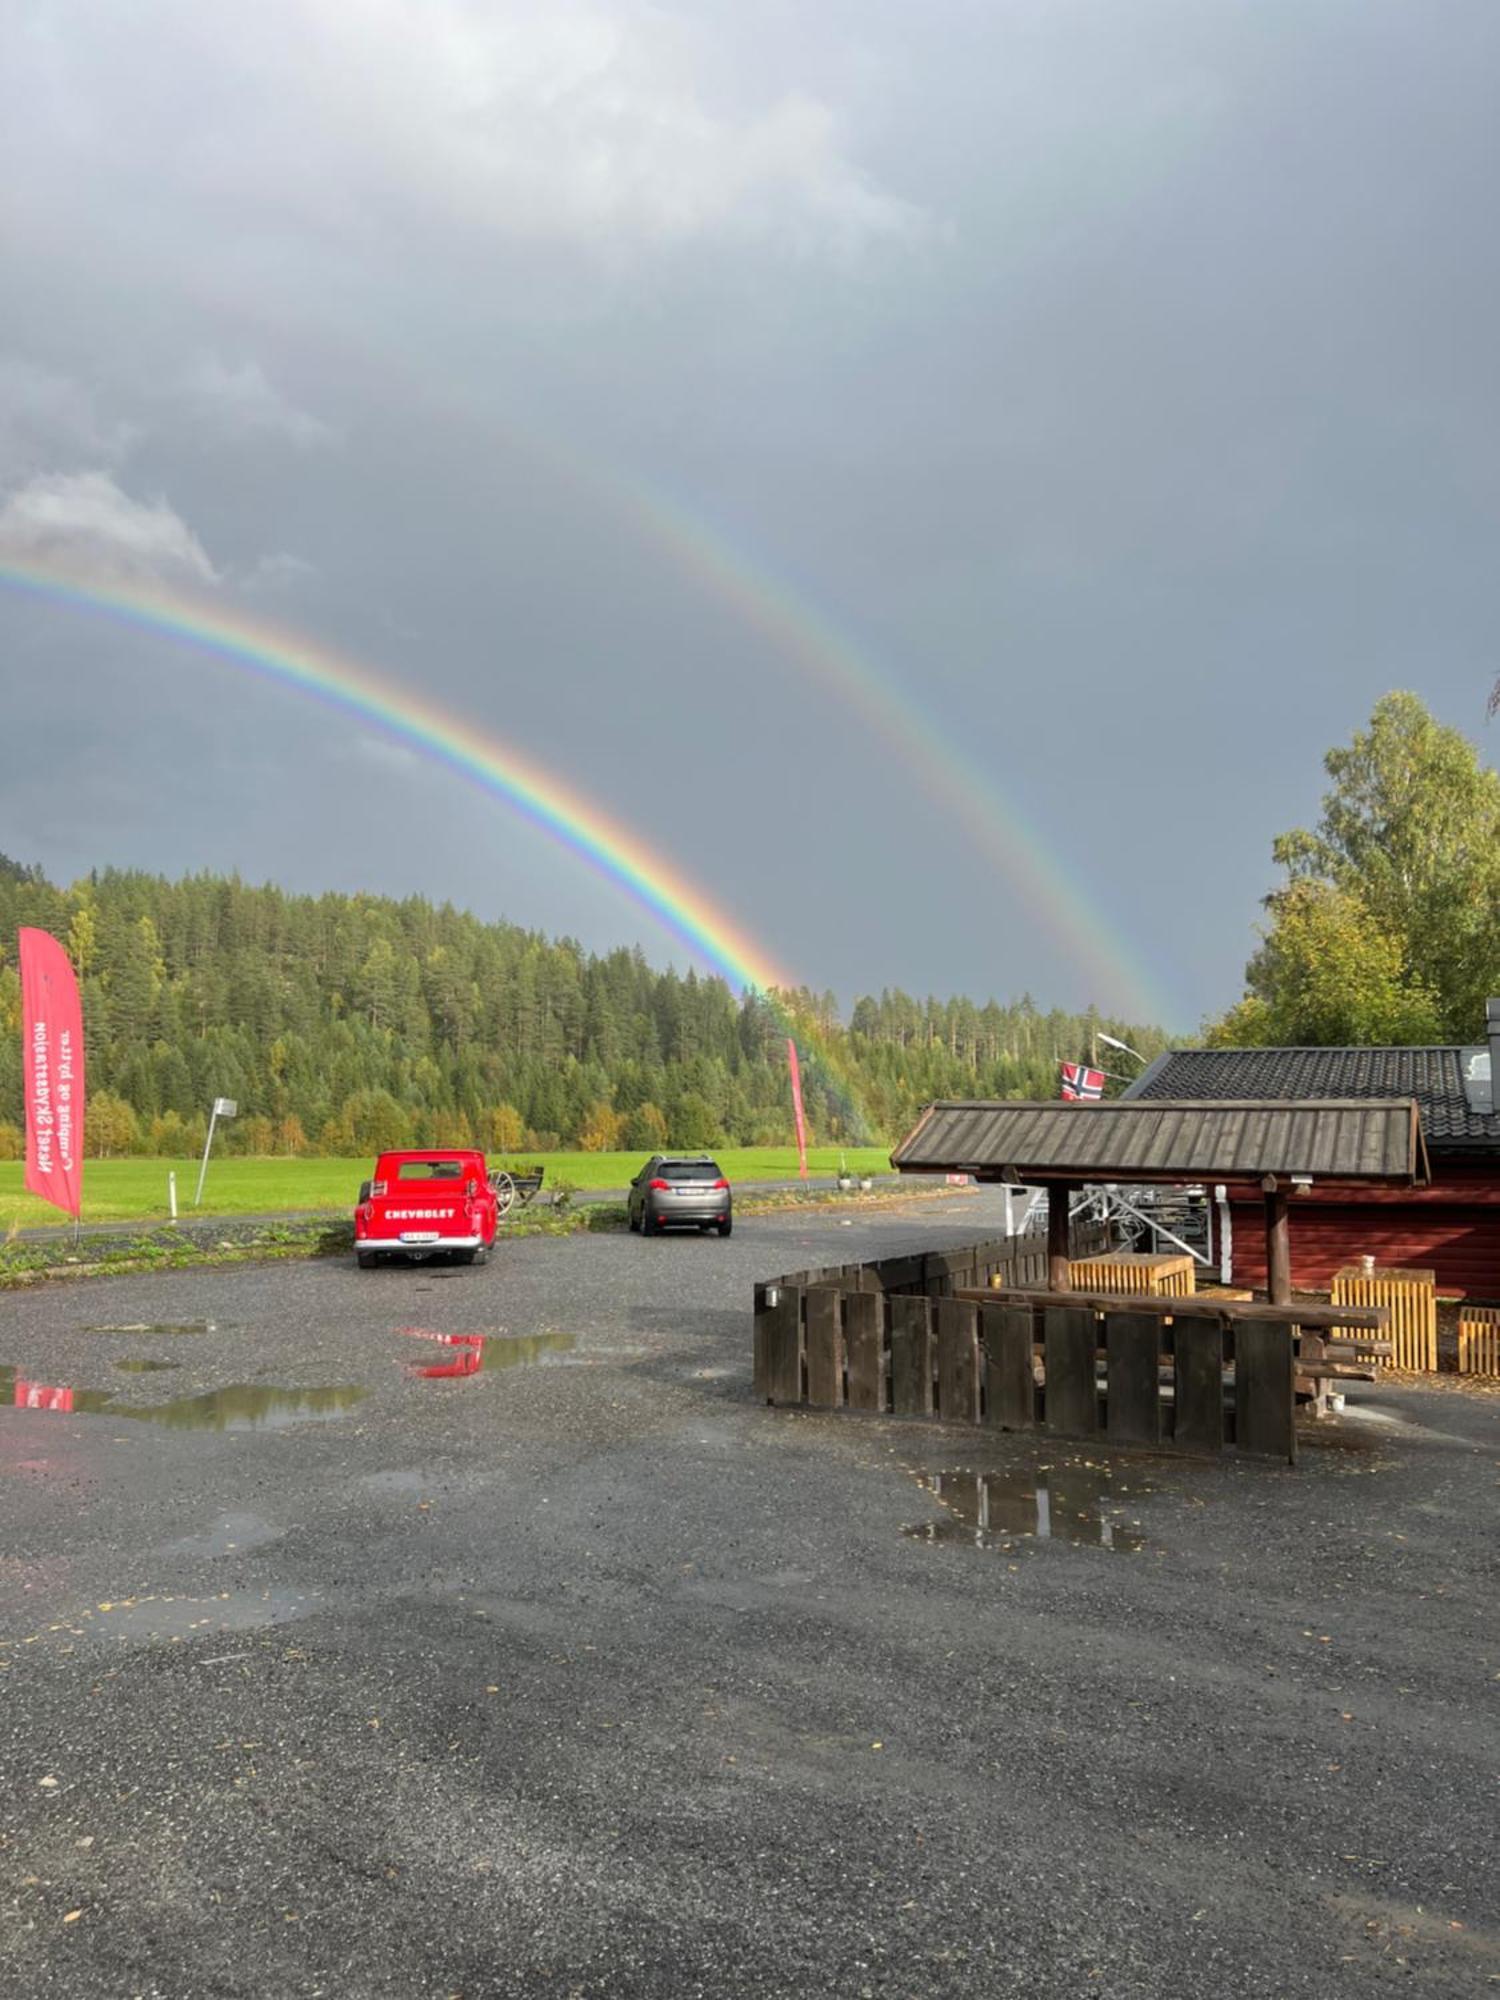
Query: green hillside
[{"x": 345, "y": 1023}]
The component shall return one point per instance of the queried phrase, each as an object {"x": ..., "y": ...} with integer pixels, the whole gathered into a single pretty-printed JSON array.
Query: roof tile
[{"x": 1433, "y": 1076}]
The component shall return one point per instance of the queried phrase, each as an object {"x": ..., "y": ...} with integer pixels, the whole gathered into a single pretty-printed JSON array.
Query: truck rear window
[{"x": 432, "y": 1170}]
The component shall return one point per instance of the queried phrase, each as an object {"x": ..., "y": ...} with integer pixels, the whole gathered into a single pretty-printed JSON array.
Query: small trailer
[{"x": 514, "y": 1188}]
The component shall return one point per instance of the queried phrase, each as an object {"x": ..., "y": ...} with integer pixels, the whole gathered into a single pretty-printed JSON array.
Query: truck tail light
[
  {"x": 377, "y": 1187},
  {"x": 660, "y": 1187}
]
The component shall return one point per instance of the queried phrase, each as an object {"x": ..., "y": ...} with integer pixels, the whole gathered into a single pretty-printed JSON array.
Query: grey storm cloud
[{"x": 1112, "y": 387}]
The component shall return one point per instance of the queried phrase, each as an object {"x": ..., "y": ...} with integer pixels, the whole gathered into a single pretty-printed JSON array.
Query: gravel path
[{"x": 587, "y": 1676}]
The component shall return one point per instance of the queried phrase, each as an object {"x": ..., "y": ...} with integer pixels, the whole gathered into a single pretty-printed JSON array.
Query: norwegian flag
[{"x": 1080, "y": 1083}]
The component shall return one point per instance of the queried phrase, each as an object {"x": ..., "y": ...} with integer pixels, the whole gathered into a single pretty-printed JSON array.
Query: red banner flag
[
  {"x": 792, "y": 1064},
  {"x": 52, "y": 1072}
]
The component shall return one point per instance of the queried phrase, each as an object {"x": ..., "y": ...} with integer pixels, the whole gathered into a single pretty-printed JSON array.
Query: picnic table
[{"x": 1331, "y": 1343}]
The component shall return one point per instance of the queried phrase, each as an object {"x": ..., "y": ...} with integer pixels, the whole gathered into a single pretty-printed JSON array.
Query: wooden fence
[
  {"x": 1479, "y": 1340},
  {"x": 1015, "y": 1263},
  {"x": 1411, "y": 1299},
  {"x": 1132, "y": 1376}
]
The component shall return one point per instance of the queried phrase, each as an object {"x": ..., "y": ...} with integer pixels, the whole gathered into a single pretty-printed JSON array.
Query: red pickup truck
[{"x": 426, "y": 1204}]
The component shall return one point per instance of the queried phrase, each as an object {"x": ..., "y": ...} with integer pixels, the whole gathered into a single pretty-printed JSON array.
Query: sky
[{"x": 940, "y": 477}]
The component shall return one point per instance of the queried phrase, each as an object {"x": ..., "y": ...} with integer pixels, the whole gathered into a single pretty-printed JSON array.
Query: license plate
[{"x": 419, "y": 1236}]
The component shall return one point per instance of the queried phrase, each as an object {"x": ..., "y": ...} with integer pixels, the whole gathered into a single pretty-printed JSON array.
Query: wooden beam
[
  {"x": 1059, "y": 1258},
  {"x": 1278, "y": 1248},
  {"x": 1370, "y": 1318}
]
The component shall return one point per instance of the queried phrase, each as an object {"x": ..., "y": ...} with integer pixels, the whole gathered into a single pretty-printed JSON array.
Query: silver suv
[{"x": 680, "y": 1188}]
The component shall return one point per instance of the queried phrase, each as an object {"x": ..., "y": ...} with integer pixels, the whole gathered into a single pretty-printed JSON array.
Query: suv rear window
[{"x": 690, "y": 1170}]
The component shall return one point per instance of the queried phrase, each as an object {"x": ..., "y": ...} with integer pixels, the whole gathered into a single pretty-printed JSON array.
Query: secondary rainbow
[
  {"x": 812, "y": 642},
  {"x": 844, "y": 667},
  {"x": 307, "y": 667}
]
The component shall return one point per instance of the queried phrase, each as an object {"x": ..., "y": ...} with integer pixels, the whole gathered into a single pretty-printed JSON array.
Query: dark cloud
[{"x": 1112, "y": 386}]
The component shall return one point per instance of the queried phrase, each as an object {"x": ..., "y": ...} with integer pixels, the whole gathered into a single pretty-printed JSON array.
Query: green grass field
[{"x": 136, "y": 1190}]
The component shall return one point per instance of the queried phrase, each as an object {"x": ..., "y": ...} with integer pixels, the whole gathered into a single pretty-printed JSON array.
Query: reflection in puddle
[
  {"x": 1045, "y": 1503},
  {"x": 140, "y": 1365},
  {"x": 242, "y": 1406},
  {"x": 482, "y": 1353},
  {"x": 159, "y": 1326}
]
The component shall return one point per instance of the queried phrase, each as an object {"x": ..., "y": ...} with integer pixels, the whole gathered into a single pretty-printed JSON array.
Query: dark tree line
[{"x": 344, "y": 1023}]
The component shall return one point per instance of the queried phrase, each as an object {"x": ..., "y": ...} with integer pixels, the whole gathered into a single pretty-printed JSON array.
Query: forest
[{"x": 345, "y": 1023}]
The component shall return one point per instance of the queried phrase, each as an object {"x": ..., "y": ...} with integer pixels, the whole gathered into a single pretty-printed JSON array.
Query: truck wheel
[
  {"x": 365, "y": 1259},
  {"x": 481, "y": 1255}
]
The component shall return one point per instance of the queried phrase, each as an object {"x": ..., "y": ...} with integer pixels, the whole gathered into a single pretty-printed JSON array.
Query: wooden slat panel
[
  {"x": 864, "y": 1322},
  {"x": 1132, "y": 1272},
  {"x": 1411, "y": 1298},
  {"x": 911, "y": 1357},
  {"x": 1009, "y": 1334},
  {"x": 1070, "y": 1341},
  {"x": 1479, "y": 1340},
  {"x": 1264, "y": 1403},
  {"x": 958, "y": 1361},
  {"x": 1133, "y": 1344},
  {"x": 824, "y": 1335},
  {"x": 780, "y": 1328},
  {"x": 1198, "y": 1377}
]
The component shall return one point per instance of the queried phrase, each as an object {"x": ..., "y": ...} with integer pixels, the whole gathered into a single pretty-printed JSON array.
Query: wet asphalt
[{"x": 585, "y": 1675}]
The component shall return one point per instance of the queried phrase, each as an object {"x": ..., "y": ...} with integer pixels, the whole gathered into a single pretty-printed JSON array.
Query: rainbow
[
  {"x": 308, "y": 668},
  {"x": 805, "y": 636},
  {"x": 1064, "y": 906},
  {"x": 797, "y": 630}
]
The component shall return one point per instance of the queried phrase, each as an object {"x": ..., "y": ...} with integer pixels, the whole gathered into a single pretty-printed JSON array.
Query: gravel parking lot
[{"x": 585, "y": 1675}]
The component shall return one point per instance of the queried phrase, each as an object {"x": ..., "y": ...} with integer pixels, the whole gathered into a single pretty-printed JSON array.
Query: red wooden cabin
[{"x": 1451, "y": 1225}]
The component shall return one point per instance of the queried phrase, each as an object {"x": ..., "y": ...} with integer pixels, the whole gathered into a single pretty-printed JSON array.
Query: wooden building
[
  {"x": 1450, "y": 1225},
  {"x": 1263, "y": 1153}
]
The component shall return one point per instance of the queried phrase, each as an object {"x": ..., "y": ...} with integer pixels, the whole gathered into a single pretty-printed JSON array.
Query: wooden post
[
  {"x": 1278, "y": 1245},
  {"x": 1059, "y": 1262}
]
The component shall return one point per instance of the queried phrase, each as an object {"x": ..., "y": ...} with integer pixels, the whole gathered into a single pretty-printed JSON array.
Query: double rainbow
[{"x": 293, "y": 661}]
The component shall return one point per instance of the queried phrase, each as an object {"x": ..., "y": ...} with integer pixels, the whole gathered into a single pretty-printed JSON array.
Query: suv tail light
[
  {"x": 721, "y": 1182},
  {"x": 660, "y": 1187}
]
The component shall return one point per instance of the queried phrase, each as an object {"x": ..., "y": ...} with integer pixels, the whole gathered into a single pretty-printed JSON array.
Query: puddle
[
  {"x": 234, "y": 1534},
  {"x": 159, "y": 1326},
  {"x": 139, "y": 1365},
  {"x": 994, "y": 1510},
  {"x": 482, "y": 1353},
  {"x": 179, "y": 1618},
  {"x": 242, "y": 1406}
]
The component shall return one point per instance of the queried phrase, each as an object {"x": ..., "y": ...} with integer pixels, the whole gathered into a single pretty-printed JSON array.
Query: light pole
[
  {"x": 224, "y": 1107},
  {"x": 1110, "y": 1042}
]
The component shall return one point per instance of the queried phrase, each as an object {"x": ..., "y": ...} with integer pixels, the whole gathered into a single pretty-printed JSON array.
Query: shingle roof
[
  {"x": 1453, "y": 1117},
  {"x": 1183, "y": 1141}
]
